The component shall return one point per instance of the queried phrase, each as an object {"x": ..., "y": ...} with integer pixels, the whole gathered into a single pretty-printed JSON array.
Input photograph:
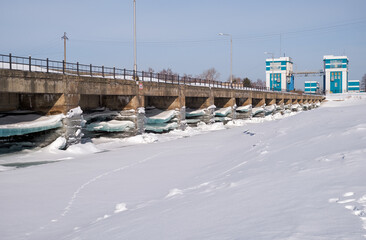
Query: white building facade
[
  {"x": 336, "y": 74},
  {"x": 279, "y": 74},
  {"x": 353, "y": 85},
  {"x": 311, "y": 87}
]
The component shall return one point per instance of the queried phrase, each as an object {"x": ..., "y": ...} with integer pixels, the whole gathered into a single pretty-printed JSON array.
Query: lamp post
[
  {"x": 64, "y": 37},
  {"x": 271, "y": 80},
  {"x": 231, "y": 56},
  {"x": 134, "y": 41}
]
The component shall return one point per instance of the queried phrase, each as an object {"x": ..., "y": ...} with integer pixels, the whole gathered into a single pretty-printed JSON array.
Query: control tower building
[
  {"x": 279, "y": 74},
  {"x": 336, "y": 74}
]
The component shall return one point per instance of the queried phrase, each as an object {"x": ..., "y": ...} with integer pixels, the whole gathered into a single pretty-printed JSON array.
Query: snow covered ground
[{"x": 299, "y": 177}]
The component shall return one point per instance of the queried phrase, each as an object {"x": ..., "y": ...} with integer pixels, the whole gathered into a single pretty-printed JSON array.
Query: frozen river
[{"x": 299, "y": 177}]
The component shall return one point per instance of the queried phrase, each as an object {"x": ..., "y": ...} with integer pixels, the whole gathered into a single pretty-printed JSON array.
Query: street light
[
  {"x": 231, "y": 56},
  {"x": 271, "y": 80},
  {"x": 64, "y": 37},
  {"x": 134, "y": 40}
]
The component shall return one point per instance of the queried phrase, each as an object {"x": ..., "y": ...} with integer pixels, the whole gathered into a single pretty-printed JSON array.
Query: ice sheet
[
  {"x": 244, "y": 109},
  {"x": 157, "y": 116},
  {"x": 110, "y": 126},
  {"x": 223, "y": 112},
  {"x": 30, "y": 123}
]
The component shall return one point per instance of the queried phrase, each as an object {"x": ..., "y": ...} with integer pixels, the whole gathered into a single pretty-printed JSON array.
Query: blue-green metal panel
[
  {"x": 275, "y": 81},
  {"x": 354, "y": 89},
  {"x": 336, "y": 61},
  {"x": 350, "y": 84},
  {"x": 330, "y": 66},
  {"x": 291, "y": 85},
  {"x": 336, "y": 82}
]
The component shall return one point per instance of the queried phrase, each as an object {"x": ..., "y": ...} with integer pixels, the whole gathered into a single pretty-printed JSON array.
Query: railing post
[
  {"x": 142, "y": 78},
  {"x": 77, "y": 68},
  {"x": 184, "y": 80},
  {"x": 63, "y": 66},
  {"x": 91, "y": 70},
  {"x": 10, "y": 61},
  {"x": 178, "y": 79},
  {"x": 48, "y": 65},
  {"x": 150, "y": 76},
  {"x": 102, "y": 71},
  {"x": 165, "y": 77},
  {"x": 124, "y": 73},
  {"x": 158, "y": 77},
  {"x": 30, "y": 63},
  {"x": 114, "y": 72}
]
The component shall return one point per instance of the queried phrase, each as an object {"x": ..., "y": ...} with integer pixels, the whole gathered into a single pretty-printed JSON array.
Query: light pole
[
  {"x": 64, "y": 37},
  {"x": 231, "y": 56},
  {"x": 134, "y": 41},
  {"x": 271, "y": 80}
]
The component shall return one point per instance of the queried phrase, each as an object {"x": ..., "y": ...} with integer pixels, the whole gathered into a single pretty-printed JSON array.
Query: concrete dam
[{"x": 123, "y": 102}]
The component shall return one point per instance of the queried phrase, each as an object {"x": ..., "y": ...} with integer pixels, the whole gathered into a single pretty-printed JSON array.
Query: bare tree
[
  {"x": 210, "y": 74},
  {"x": 235, "y": 79},
  {"x": 167, "y": 71},
  {"x": 363, "y": 83},
  {"x": 185, "y": 75},
  {"x": 259, "y": 83}
]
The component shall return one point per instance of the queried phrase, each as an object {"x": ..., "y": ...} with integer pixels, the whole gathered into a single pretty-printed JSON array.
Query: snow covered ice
[
  {"x": 297, "y": 177},
  {"x": 30, "y": 123}
]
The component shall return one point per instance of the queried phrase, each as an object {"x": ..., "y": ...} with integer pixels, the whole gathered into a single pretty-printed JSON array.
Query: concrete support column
[
  {"x": 280, "y": 101},
  {"x": 270, "y": 101},
  {"x": 211, "y": 99},
  {"x": 9, "y": 101},
  {"x": 230, "y": 103},
  {"x": 71, "y": 100},
  {"x": 288, "y": 101},
  {"x": 176, "y": 104},
  {"x": 260, "y": 103},
  {"x": 247, "y": 101},
  {"x": 300, "y": 100}
]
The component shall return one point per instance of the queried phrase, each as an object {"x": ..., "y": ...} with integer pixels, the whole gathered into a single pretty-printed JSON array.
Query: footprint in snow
[
  {"x": 348, "y": 194},
  {"x": 249, "y": 133},
  {"x": 358, "y": 209},
  {"x": 333, "y": 200},
  {"x": 174, "y": 192},
  {"x": 264, "y": 152},
  {"x": 121, "y": 207},
  {"x": 102, "y": 218},
  {"x": 347, "y": 201}
]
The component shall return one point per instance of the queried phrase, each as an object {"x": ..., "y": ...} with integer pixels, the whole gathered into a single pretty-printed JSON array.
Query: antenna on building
[
  {"x": 64, "y": 37},
  {"x": 280, "y": 44}
]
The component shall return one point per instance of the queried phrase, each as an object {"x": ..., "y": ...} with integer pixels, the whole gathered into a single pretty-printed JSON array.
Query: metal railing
[{"x": 61, "y": 67}]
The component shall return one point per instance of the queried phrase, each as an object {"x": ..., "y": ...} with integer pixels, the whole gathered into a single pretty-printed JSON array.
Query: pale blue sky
[{"x": 183, "y": 35}]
